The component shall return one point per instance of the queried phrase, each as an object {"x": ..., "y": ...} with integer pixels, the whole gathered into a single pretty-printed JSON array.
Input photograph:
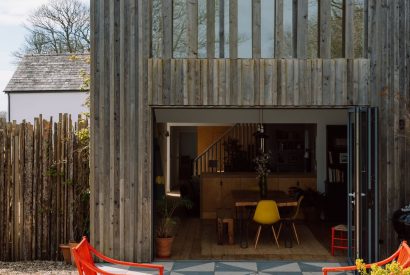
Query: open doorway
[
  {"x": 183, "y": 150},
  {"x": 306, "y": 146}
]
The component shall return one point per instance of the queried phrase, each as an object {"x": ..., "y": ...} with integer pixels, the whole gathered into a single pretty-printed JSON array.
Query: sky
[
  {"x": 12, "y": 17},
  {"x": 13, "y": 14}
]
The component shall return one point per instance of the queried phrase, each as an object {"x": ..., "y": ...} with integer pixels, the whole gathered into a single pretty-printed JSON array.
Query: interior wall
[
  {"x": 163, "y": 138},
  {"x": 186, "y": 136},
  {"x": 208, "y": 135}
]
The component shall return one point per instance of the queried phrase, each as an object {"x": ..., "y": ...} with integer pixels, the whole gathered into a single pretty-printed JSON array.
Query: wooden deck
[{"x": 196, "y": 239}]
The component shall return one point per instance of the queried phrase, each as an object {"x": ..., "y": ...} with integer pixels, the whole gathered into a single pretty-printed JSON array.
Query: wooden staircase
[{"x": 232, "y": 152}]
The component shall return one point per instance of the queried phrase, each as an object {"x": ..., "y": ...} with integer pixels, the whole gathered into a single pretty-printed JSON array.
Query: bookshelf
[{"x": 336, "y": 183}]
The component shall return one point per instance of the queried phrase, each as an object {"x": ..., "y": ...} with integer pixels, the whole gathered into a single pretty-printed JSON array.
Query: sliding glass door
[{"x": 362, "y": 197}]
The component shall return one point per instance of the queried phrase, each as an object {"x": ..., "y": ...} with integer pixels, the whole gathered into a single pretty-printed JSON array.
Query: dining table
[{"x": 245, "y": 202}]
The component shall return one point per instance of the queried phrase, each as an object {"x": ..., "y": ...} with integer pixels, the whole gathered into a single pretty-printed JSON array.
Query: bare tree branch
[{"x": 60, "y": 26}]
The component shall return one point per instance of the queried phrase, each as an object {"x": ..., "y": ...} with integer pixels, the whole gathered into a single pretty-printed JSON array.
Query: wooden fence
[{"x": 43, "y": 187}]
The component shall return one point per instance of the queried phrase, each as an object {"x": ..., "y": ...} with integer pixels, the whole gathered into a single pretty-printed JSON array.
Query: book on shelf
[
  {"x": 336, "y": 175},
  {"x": 330, "y": 158}
]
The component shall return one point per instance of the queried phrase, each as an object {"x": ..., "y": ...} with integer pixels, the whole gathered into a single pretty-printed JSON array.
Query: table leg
[
  {"x": 288, "y": 233},
  {"x": 243, "y": 235}
]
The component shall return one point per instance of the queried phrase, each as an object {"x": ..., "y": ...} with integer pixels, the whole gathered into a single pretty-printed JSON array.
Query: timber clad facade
[{"x": 128, "y": 83}]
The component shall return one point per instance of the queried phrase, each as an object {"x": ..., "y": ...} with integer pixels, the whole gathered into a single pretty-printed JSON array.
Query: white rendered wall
[{"x": 29, "y": 105}]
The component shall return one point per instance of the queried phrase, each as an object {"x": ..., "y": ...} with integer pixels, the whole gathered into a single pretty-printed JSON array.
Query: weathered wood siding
[
  {"x": 279, "y": 82},
  {"x": 126, "y": 82},
  {"x": 121, "y": 127},
  {"x": 389, "y": 53}
]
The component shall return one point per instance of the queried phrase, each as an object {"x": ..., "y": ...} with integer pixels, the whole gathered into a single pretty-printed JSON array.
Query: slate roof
[{"x": 48, "y": 73}]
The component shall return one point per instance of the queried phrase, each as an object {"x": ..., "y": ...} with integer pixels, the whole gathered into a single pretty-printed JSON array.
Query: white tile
[
  {"x": 167, "y": 265},
  {"x": 292, "y": 267},
  {"x": 243, "y": 265},
  {"x": 112, "y": 268},
  {"x": 235, "y": 273},
  {"x": 322, "y": 264},
  {"x": 141, "y": 273},
  {"x": 118, "y": 269},
  {"x": 200, "y": 267}
]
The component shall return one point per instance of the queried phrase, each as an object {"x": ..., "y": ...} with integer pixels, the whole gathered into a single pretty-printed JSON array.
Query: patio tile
[
  {"x": 192, "y": 272},
  {"x": 236, "y": 266},
  {"x": 284, "y": 267},
  {"x": 228, "y": 268},
  {"x": 236, "y": 273},
  {"x": 280, "y": 273},
  {"x": 194, "y": 266},
  {"x": 167, "y": 265}
]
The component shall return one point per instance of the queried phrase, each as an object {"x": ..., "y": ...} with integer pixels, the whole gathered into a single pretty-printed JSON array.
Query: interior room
[{"x": 210, "y": 158}]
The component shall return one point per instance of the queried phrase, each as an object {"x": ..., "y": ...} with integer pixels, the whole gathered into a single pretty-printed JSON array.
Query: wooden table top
[{"x": 251, "y": 198}]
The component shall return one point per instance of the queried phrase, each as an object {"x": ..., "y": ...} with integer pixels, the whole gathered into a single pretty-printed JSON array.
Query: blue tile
[
  {"x": 263, "y": 265},
  {"x": 280, "y": 273},
  {"x": 199, "y": 266},
  {"x": 317, "y": 266},
  {"x": 191, "y": 273},
  {"x": 246, "y": 266}
]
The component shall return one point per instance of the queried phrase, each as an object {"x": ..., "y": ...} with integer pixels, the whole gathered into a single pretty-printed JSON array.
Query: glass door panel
[{"x": 362, "y": 184}]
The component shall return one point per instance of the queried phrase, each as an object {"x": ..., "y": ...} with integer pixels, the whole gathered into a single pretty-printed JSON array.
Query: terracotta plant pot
[
  {"x": 65, "y": 250},
  {"x": 72, "y": 244},
  {"x": 163, "y": 247}
]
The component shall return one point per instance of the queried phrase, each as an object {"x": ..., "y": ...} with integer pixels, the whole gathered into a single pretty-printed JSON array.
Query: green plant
[
  {"x": 391, "y": 268},
  {"x": 82, "y": 186},
  {"x": 235, "y": 159},
  {"x": 262, "y": 164},
  {"x": 165, "y": 211}
]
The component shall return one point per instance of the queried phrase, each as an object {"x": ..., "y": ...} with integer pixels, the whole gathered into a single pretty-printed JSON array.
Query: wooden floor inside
[{"x": 197, "y": 239}]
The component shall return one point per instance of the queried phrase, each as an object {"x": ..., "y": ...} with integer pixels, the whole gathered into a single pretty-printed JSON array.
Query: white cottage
[{"x": 47, "y": 85}]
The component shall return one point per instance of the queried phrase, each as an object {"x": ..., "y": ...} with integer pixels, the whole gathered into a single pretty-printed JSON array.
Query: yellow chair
[
  {"x": 291, "y": 219},
  {"x": 266, "y": 213}
]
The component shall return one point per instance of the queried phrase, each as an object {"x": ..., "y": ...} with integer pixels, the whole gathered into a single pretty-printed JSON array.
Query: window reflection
[
  {"x": 179, "y": 29},
  {"x": 267, "y": 28},
  {"x": 245, "y": 28},
  {"x": 313, "y": 34}
]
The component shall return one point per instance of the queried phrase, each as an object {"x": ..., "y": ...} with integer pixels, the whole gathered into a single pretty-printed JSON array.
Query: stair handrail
[
  {"x": 210, "y": 149},
  {"x": 215, "y": 142}
]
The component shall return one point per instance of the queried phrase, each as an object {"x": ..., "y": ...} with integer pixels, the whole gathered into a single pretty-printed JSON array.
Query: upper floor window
[{"x": 278, "y": 28}]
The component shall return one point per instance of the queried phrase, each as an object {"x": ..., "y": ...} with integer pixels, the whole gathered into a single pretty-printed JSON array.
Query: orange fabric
[
  {"x": 402, "y": 255},
  {"x": 85, "y": 264}
]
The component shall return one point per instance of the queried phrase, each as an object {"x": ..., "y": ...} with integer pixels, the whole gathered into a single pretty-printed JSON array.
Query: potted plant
[
  {"x": 65, "y": 250},
  {"x": 262, "y": 164},
  {"x": 166, "y": 223}
]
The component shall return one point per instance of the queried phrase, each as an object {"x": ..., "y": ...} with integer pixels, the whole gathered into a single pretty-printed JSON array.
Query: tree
[
  {"x": 3, "y": 115},
  {"x": 179, "y": 17},
  {"x": 60, "y": 26},
  {"x": 336, "y": 28}
]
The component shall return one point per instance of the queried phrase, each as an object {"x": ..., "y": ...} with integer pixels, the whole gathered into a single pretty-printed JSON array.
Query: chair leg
[
  {"x": 274, "y": 235},
  {"x": 332, "y": 242},
  {"x": 257, "y": 235},
  {"x": 296, "y": 234}
]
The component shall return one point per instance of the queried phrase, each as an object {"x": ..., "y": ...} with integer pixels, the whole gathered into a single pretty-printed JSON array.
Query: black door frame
[{"x": 363, "y": 233}]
